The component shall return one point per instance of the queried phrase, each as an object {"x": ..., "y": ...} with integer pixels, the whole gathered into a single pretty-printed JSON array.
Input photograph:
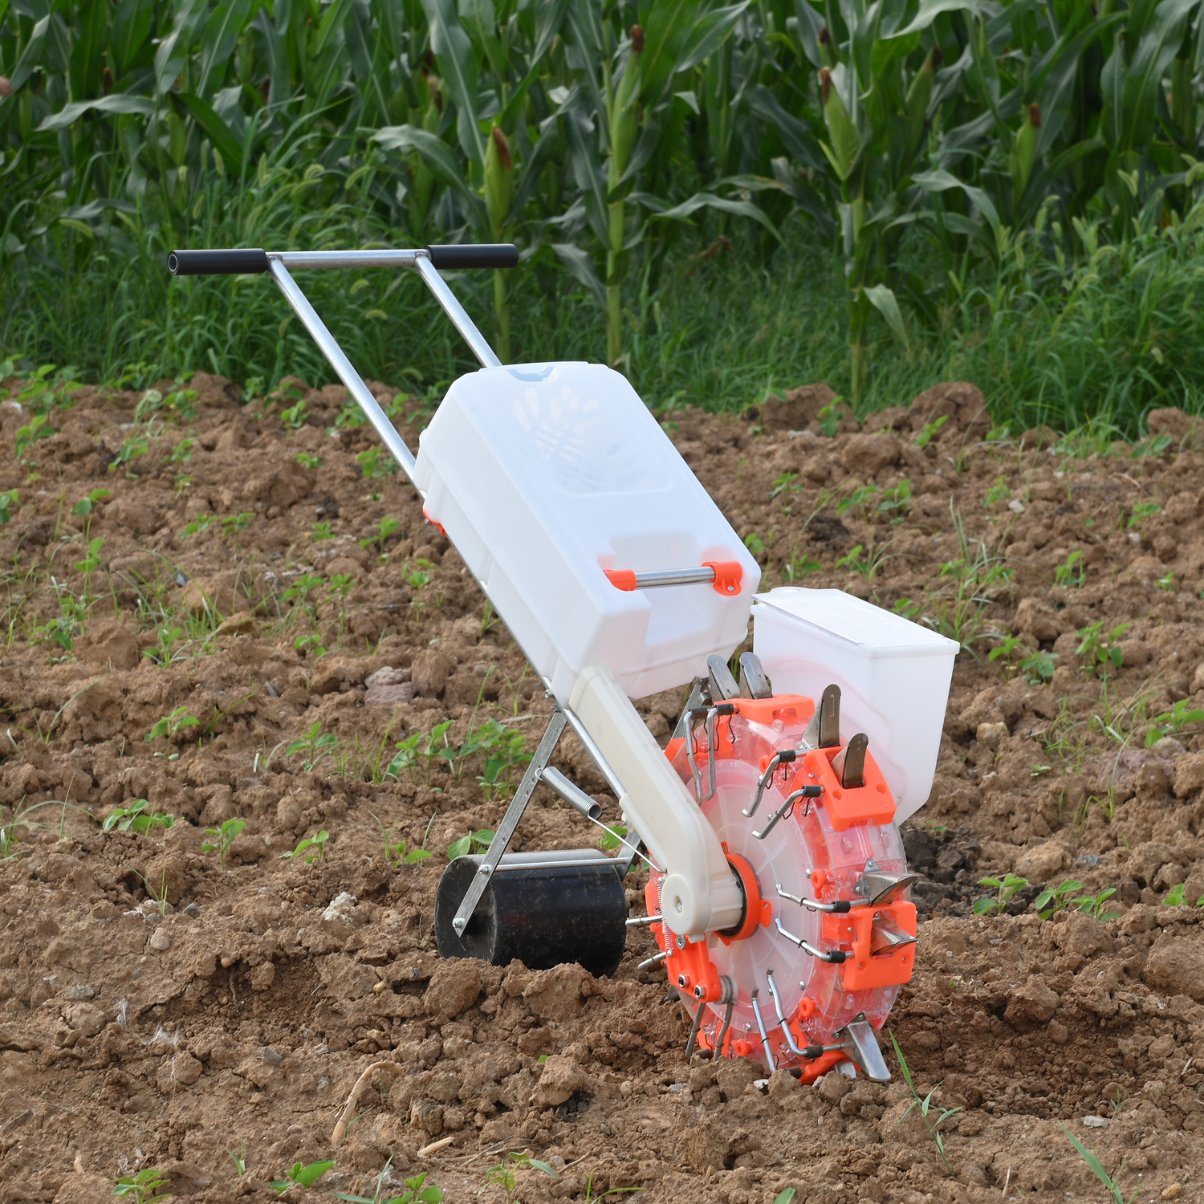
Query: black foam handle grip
[
  {"x": 475, "y": 255},
  {"x": 230, "y": 262}
]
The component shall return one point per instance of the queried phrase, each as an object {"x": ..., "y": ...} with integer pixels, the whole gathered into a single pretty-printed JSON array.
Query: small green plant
[
  {"x": 1072, "y": 572},
  {"x": 415, "y": 1190},
  {"x": 755, "y": 544},
  {"x": 1038, "y": 667},
  {"x": 929, "y": 431},
  {"x": 1140, "y": 512},
  {"x": 196, "y": 525},
  {"x": 503, "y": 1174},
  {"x": 302, "y": 1174},
  {"x": 1056, "y": 898},
  {"x": 1096, "y": 1167},
  {"x": 417, "y": 573},
  {"x": 179, "y": 720},
  {"x": 307, "y": 460},
  {"x": 1173, "y": 721},
  {"x": 418, "y": 748},
  {"x": 374, "y": 462},
  {"x": 8, "y": 503},
  {"x": 1100, "y": 651},
  {"x": 786, "y": 1196},
  {"x": 787, "y": 482},
  {"x": 313, "y": 747},
  {"x": 179, "y": 404},
  {"x": 398, "y": 854},
  {"x": 612, "y": 838},
  {"x": 221, "y": 838},
  {"x": 386, "y": 529},
  {"x": 182, "y": 452},
  {"x": 861, "y": 496},
  {"x": 84, "y": 507},
  {"x": 866, "y": 563},
  {"x": 503, "y": 749},
  {"x": 999, "y": 492},
  {"x": 146, "y": 1187},
  {"x": 322, "y": 530},
  {"x": 38, "y": 427},
  {"x": 1005, "y": 889},
  {"x": 309, "y": 849},
  {"x": 1177, "y": 897},
  {"x": 474, "y": 842},
  {"x": 896, "y": 500},
  {"x": 1096, "y": 905},
  {"x": 294, "y": 417},
  {"x": 132, "y": 449},
  {"x": 925, "y": 1105},
  {"x": 137, "y": 816}
]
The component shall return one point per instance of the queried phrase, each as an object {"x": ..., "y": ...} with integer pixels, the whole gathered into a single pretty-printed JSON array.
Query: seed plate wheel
[{"x": 827, "y": 937}]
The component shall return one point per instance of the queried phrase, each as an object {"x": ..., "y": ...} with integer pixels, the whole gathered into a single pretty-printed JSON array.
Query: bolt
[
  {"x": 680, "y": 941},
  {"x": 698, "y": 992},
  {"x": 682, "y": 980}
]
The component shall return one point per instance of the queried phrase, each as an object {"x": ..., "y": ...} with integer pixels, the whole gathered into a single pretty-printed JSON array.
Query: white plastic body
[
  {"x": 893, "y": 676},
  {"x": 544, "y": 475},
  {"x": 699, "y": 893}
]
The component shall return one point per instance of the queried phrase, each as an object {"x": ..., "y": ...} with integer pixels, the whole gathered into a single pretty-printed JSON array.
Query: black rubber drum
[{"x": 541, "y": 908}]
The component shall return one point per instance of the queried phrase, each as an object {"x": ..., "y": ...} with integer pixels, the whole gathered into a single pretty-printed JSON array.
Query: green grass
[{"x": 1101, "y": 339}]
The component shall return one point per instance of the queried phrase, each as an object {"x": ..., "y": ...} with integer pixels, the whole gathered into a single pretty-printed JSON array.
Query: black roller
[{"x": 538, "y": 911}]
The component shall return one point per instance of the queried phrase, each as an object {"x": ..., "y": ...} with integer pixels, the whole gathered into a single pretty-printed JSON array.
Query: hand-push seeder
[{"x": 778, "y": 889}]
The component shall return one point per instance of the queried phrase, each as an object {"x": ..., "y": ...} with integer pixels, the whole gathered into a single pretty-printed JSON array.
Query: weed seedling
[
  {"x": 138, "y": 817},
  {"x": 474, "y": 842},
  {"x": 1096, "y": 1167},
  {"x": 8, "y": 503},
  {"x": 1140, "y": 512},
  {"x": 146, "y": 1187},
  {"x": 1056, "y": 898},
  {"x": 302, "y": 1174},
  {"x": 181, "y": 719},
  {"x": 322, "y": 530},
  {"x": 1094, "y": 905},
  {"x": 612, "y": 838},
  {"x": 221, "y": 838},
  {"x": 929, "y": 431},
  {"x": 374, "y": 463},
  {"x": 503, "y": 1175},
  {"x": 1005, "y": 889},
  {"x": 924, "y": 1104},
  {"x": 295, "y": 416},
  {"x": 1173, "y": 721},
  {"x": 415, "y": 1190},
  {"x": 310, "y": 849},
  {"x": 397, "y": 854},
  {"x": 386, "y": 529},
  {"x": 1100, "y": 651},
  {"x": 314, "y": 747},
  {"x": 1071, "y": 572}
]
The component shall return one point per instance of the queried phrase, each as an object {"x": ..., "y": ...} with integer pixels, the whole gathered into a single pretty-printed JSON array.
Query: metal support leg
[{"x": 514, "y": 813}]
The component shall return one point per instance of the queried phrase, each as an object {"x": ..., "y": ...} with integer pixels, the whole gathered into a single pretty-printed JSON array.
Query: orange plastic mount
[
  {"x": 728, "y": 576},
  {"x": 866, "y": 971},
  {"x": 434, "y": 522},
  {"x": 872, "y": 803}
]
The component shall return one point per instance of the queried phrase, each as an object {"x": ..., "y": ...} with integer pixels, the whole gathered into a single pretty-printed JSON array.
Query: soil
[{"x": 247, "y": 625}]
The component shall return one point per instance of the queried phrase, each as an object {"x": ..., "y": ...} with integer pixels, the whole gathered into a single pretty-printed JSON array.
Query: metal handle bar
[
  {"x": 426, "y": 261},
  {"x": 246, "y": 261}
]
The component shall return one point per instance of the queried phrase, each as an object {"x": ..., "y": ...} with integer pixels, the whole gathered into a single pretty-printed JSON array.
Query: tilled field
[{"x": 233, "y": 612}]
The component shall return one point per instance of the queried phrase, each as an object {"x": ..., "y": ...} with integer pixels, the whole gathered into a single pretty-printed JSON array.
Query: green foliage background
[{"x": 772, "y": 190}]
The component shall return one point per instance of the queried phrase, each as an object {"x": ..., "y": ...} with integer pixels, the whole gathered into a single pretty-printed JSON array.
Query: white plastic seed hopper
[{"x": 777, "y": 891}]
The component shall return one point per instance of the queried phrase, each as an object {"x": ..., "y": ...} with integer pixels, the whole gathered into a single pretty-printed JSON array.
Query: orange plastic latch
[
  {"x": 434, "y": 522},
  {"x": 866, "y": 971},
  {"x": 872, "y": 803},
  {"x": 728, "y": 576},
  {"x": 623, "y": 579}
]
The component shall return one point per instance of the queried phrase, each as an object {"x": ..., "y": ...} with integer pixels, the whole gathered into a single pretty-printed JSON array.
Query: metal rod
[
  {"x": 655, "y": 959},
  {"x": 791, "y": 1044},
  {"x": 839, "y": 905},
  {"x": 573, "y": 863},
  {"x": 785, "y": 809},
  {"x": 347, "y": 259},
  {"x": 727, "y": 993},
  {"x": 455, "y": 311},
  {"x": 505, "y": 831},
  {"x": 782, "y": 757},
  {"x": 342, "y": 365},
  {"x": 640, "y": 921},
  {"x": 595, "y": 753},
  {"x": 694, "y": 1027},
  {"x": 660, "y": 577},
  {"x": 836, "y": 956},
  {"x": 571, "y": 793},
  {"x": 712, "y": 731},
  {"x": 756, "y": 1007}
]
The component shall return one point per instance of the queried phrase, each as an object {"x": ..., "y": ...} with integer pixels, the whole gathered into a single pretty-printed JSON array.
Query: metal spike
[
  {"x": 655, "y": 959},
  {"x": 824, "y": 729},
  {"x": 756, "y": 1007},
  {"x": 727, "y": 994},
  {"x": 639, "y": 921},
  {"x": 849, "y": 763},
  {"x": 860, "y": 1045},
  {"x": 879, "y": 889},
  {"x": 886, "y": 936},
  {"x": 723, "y": 684},
  {"x": 693, "y": 1038},
  {"x": 753, "y": 681}
]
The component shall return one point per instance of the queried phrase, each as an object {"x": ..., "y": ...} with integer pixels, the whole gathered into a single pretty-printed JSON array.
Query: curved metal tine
[
  {"x": 756, "y": 1007},
  {"x": 692, "y": 757},
  {"x": 781, "y": 757},
  {"x": 849, "y": 763},
  {"x": 824, "y": 729},
  {"x": 723, "y": 684},
  {"x": 791, "y": 1044},
  {"x": 693, "y": 1039},
  {"x": 879, "y": 889},
  {"x": 728, "y": 994},
  {"x": 712, "y": 731},
  {"x": 780, "y": 813},
  {"x": 753, "y": 681}
]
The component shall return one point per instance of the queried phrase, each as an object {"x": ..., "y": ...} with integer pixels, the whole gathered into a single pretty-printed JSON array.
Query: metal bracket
[{"x": 514, "y": 813}]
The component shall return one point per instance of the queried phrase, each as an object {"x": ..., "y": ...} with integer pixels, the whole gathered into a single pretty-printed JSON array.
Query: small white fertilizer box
[{"x": 777, "y": 887}]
